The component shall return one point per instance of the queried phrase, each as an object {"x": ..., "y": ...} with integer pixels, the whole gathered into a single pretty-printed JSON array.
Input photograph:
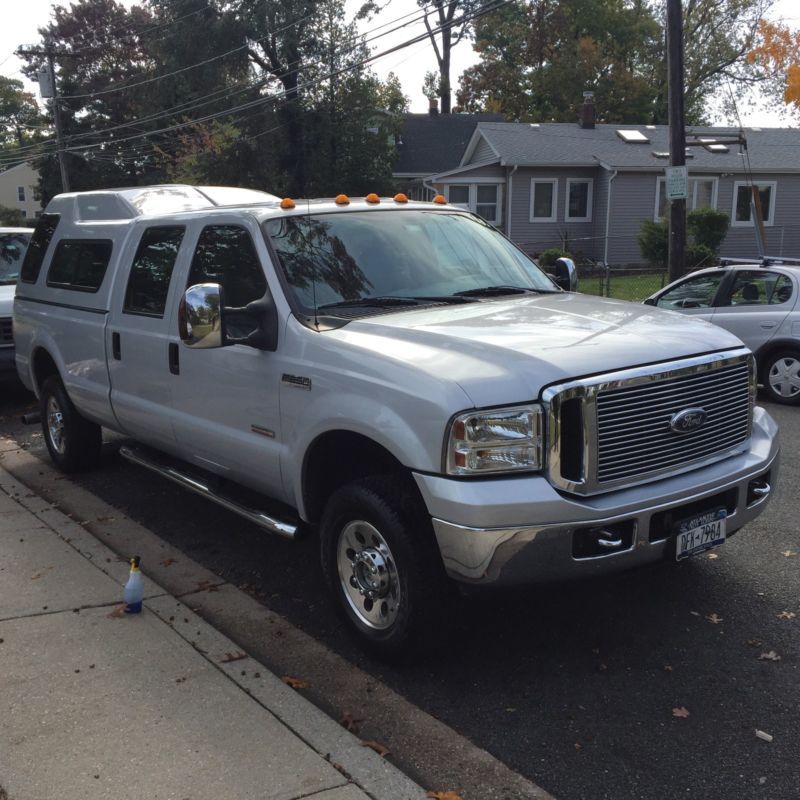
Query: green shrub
[
  {"x": 699, "y": 256},
  {"x": 708, "y": 227},
  {"x": 653, "y": 242},
  {"x": 548, "y": 258},
  {"x": 12, "y": 217}
]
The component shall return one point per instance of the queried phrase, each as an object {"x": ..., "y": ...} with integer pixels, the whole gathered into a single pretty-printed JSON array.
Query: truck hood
[{"x": 506, "y": 350}]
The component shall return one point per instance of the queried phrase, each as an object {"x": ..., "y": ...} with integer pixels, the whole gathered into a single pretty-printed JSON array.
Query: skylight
[
  {"x": 632, "y": 137},
  {"x": 665, "y": 153},
  {"x": 714, "y": 148}
]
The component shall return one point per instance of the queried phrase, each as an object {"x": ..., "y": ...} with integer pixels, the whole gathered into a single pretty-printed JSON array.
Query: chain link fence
[{"x": 620, "y": 283}]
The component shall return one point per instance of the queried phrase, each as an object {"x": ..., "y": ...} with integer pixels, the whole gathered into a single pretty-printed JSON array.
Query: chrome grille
[
  {"x": 615, "y": 430},
  {"x": 6, "y": 336},
  {"x": 634, "y": 436}
]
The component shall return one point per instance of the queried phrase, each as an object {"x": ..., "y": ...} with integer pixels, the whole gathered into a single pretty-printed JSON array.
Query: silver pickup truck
[{"x": 395, "y": 376}]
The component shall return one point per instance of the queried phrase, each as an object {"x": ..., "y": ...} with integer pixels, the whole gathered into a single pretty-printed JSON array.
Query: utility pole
[
  {"x": 677, "y": 136},
  {"x": 49, "y": 90}
]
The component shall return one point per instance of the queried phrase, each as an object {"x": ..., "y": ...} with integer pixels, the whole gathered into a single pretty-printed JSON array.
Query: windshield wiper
[
  {"x": 490, "y": 291},
  {"x": 377, "y": 302}
]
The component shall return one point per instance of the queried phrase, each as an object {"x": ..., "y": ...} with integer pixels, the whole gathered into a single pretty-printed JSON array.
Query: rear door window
[
  {"x": 37, "y": 248},
  {"x": 151, "y": 271},
  {"x": 80, "y": 264}
]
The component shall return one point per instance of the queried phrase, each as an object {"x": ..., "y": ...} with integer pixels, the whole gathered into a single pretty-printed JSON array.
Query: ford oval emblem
[{"x": 688, "y": 420}]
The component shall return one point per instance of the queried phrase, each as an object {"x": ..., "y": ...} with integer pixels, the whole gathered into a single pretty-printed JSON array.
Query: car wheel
[
  {"x": 73, "y": 442},
  {"x": 382, "y": 565},
  {"x": 781, "y": 377}
]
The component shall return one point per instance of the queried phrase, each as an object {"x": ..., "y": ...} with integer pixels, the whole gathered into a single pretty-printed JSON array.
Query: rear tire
[
  {"x": 382, "y": 566},
  {"x": 780, "y": 376},
  {"x": 73, "y": 442}
]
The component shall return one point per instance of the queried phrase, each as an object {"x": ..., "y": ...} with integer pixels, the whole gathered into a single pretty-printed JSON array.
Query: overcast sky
[{"x": 410, "y": 64}]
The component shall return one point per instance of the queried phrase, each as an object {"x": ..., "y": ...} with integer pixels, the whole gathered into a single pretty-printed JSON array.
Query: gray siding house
[{"x": 588, "y": 187}]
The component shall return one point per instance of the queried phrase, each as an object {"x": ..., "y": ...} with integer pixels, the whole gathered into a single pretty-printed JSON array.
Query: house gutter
[
  {"x": 608, "y": 210},
  {"x": 509, "y": 183}
]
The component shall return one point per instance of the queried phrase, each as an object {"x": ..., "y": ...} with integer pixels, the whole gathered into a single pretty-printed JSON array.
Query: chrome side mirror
[
  {"x": 566, "y": 274},
  {"x": 201, "y": 316}
]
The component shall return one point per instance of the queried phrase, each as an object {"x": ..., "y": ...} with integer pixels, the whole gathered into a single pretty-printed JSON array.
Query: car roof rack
[{"x": 763, "y": 261}]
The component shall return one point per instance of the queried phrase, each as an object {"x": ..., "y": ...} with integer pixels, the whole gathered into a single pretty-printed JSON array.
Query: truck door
[
  {"x": 138, "y": 340},
  {"x": 226, "y": 399}
]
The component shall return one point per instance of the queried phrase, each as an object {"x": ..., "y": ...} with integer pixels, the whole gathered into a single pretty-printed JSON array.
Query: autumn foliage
[{"x": 778, "y": 53}]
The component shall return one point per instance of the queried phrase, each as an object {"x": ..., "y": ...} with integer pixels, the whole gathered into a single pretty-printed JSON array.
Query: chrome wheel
[
  {"x": 784, "y": 377},
  {"x": 55, "y": 426},
  {"x": 368, "y": 575}
]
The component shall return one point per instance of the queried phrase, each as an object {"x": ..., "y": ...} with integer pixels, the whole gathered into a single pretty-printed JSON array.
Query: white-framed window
[
  {"x": 578, "y": 207},
  {"x": 483, "y": 199},
  {"x": 702, "y": 193},
  {"x": 21, "y": 194},
  {"x": 742, "y": 213},
  {"x": 544, "y": 199}
]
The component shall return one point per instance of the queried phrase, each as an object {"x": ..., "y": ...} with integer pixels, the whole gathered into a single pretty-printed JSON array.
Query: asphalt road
[{"x": 573, "y": 685}]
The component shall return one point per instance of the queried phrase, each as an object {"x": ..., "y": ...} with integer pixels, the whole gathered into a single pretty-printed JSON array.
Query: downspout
[
  {"x": 509, "y": 184},
  {"x": 608, "y": 217},
  {"x": 430, "y": 188}
]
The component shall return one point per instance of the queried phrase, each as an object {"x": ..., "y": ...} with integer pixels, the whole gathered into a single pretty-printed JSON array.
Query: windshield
[
  {"x": 329, "y": 259},
  {"x": 12, "y": 253}
]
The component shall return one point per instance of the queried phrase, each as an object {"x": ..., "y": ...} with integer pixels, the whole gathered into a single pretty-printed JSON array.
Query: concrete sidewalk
[{"x": 158, "y": 705}]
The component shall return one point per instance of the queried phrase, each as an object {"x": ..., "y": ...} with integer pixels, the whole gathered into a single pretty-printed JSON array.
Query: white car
[
  {"x": 757, "y": 303},
  {"x": 13, "y": 244}
]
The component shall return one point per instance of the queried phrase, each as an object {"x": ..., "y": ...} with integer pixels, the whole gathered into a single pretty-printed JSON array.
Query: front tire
[
  {"x": 381, "y": 563},
  {"x": 73, "y": 442},
  {"x": 781, "y": 377}
]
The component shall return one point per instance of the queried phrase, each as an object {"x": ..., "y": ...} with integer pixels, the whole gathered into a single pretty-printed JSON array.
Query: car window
[
  {"x": 694, "y": 292},
  {"x": 752, "y": 288},
  {"x": 782, "y": 290},
  {"x": 80, "y": 264},
  {"x": 40, "y": 241},
  {"x": 12, "y": 252},
  {"x": 151, "y": 271},
  {"x": 225, "y": 254}
]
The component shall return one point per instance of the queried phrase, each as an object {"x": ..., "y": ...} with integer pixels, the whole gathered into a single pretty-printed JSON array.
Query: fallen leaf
[
  {"x": 378, "y": 748},
  {"x": 712, "y": 556},
  {"x": 235, "y": 656},
  {"x": 770, "y": 656},
  {"x": 714, "y": 619},
  {"x": 787, "y": 615},
  {"x": 680, "y": 712},
  {"x": 578, "y": 746},
  {"x": 350, "y": 722},
  {"x": 789, "y": 553},
  {"x": 168, "y": 562},
  {"x": 444, "y": 796},
  {"x": 295, "y": 683},
  {"x": 117, "y": 612},
  {"x": 754, "y": 642},
  {"x": 695, "y": 613},
  {"x": 602, "y": 667},
  {"x": 106, "y": 519},
  {"x": 767, "y": 737},
  {"x": 667, "y": 668},
  {"x": 39, "y": 574}
]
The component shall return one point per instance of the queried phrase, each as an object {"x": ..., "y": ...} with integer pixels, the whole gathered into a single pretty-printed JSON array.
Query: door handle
[
  {"x": 174, "y": 359},
  {"x": 115, "y": 346},
  {"x": 768, "y": 325}
]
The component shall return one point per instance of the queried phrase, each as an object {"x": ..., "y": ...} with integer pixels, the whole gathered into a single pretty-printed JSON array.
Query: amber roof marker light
[
  {"x": 440, "y": 199},
  {"x": 342, "y": 200},
  {"x": 400, "y": 198},
  {"x": 372, "y": 198},
  {"x": 287, "y": 203}
]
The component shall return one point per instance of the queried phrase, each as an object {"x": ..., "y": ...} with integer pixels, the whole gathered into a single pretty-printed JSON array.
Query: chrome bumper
[{"x": 521, "y": 530}]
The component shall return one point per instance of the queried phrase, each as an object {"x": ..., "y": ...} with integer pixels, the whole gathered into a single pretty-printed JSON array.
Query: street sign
[{"x": 677, "y": 183}]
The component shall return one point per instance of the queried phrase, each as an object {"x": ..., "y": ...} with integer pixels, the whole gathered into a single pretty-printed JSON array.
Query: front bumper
[{"x": 521, "y": 530}]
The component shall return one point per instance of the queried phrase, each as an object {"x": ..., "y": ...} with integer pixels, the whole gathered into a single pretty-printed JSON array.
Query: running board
[{"x": 197, "y": 485}]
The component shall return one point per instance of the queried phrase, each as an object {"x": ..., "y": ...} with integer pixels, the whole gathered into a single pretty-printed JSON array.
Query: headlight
[{"x": 495, "y": 440}]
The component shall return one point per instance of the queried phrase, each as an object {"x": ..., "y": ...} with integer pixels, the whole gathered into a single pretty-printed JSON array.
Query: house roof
[
  {"x": 562, "y": 144},
  {"x": 435, "y": 142}
]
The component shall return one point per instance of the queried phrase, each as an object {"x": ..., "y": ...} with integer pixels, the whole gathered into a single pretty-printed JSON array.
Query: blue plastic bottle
[{"x": 133, "y": 592}]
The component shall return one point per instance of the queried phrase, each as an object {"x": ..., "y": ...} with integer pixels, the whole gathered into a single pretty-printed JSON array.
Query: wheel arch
[
  {"x": 43, "y": 365},
  {"x": 766, "y": 351},
  {"x": 336, "y": 458}
]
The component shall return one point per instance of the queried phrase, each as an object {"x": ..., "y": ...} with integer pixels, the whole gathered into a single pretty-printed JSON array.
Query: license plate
[{"x": 696, "y": 534}]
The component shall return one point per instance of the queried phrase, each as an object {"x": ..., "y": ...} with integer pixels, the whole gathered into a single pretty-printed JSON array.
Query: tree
[
  {"x": 451, "y": 23},
  {"x": 538, "y": 56},
  {"x": 19, "y": 115},
  {"x": 777, "y": 54}
]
